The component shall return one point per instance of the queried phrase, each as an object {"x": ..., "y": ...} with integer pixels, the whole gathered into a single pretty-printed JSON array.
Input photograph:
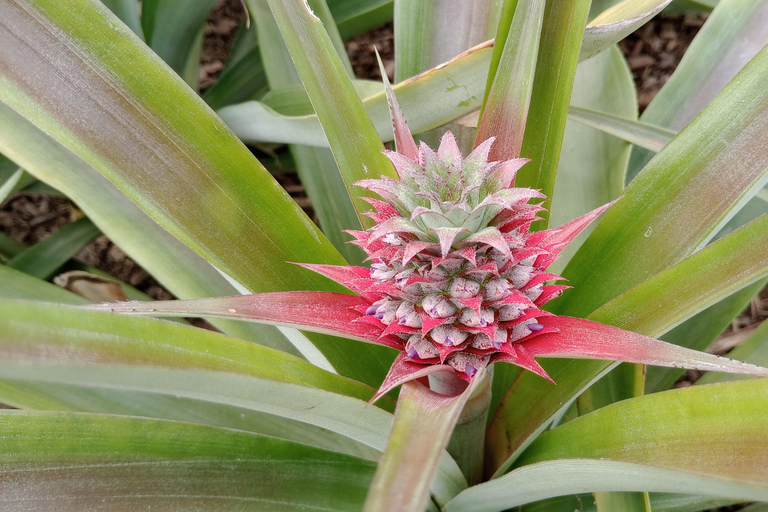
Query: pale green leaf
[
  {"x": 652, "y": 138},
  {"x": 616, "y": 23},
  {"x": 733, "y": 34},
  {"x": 42, "y": 259},
  {"x": 561, "y": 37},
  {"x": 77, "y": 462}
]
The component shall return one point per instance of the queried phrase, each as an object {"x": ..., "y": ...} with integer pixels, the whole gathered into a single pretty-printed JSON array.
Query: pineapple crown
[{"x": 457, "y": 278}]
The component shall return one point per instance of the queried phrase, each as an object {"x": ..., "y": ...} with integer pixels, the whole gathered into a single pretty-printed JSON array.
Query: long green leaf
[
  {"x": 505, "y": 110},
  {"x": 316, "y": 166},
  {"x": 224, "y": 205},
  {"x": 707, "y": 440},
  {"x": 593, "y": 172},
  {"x": 430, "y": 33},
  {"x": 428, "y": 101},
  {"x": 87, "y": 462},
  {"x": 681, "y": 199},
  {"x": 754, "y": 348},
  {"x": 543, "y": 480},
  {"x": 176, "y": 266},
  {"x": 652, "y": 138},
  {"x": 616, "y": 23},
  {"x": 81, "y": 336},
  {"x": 699, "y": 331},
  {"x": 342, "y": 414},
  {"x": 561, "y": 36},
  {"x": 351, "y": 134},
  {"x": 128, "y": 12},
  {"x": 42, "y": 259},
  {"x": 699, "y": 281},
  {"x": 171, "y": 29},
  {"x": 422, "y": 427},
  {"x": 353, "y": 17},
  {"x": 733, "y": 34},
  {"x": 19, "y": 285}
]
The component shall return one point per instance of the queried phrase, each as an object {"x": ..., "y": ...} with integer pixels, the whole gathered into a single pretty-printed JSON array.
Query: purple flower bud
[
  {"x": 496, "y": 345},
  {"x": 412, "y": 353},
  {"x": 448, "y": 342},
  {"x": 371, "y": 309},
  {"x": 470, "y": 370},
  {"x": 535, "y": 327}
]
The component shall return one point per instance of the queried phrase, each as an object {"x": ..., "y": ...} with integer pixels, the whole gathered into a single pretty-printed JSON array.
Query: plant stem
[{"x": 468, "y": 439}]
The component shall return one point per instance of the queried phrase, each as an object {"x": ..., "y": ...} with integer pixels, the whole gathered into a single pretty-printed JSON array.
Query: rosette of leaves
[{"x": 122, "y": 411}]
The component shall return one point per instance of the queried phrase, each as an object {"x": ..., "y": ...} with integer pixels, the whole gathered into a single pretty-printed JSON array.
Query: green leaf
[
  {"x": 754, "y": 348},
  {"x": 571, "y": 476},
  {"x": 128, "y": 12},
  {"x": 12, "y": 178},
  {"x": 353, "y": 17},
  {"x": 652, "y": 138},
  {"x": 80, "y": 336},
  {"x": 428, "y": 101},
  {"x": 699, "y": 331},
  {"x": 19, "y": 285},
  {"x": 505, "y": 109},
  {"x": 733, "y": 34},
  {"x": 422, "y": 427},
  {"x": 707, "y": 440},
  {"x": 430, "y": 33},
  {"x": 243, "y": 75},
  {"x": 84, "y": 461},
  {"x": 176, "y": 266},
  {"x": 699, "y": 281},
  {"x": 172, "y": 30},
  {"x": 42, "y": 259},
  {"x": 224, "y": 205},
  {"x": 616, "y": 23},
  {"x": 561, "y": 36},
  {"x": 316, "y": 167},
  {"x": 351, "y": 134},
  {"x": 681, "y": 199},
  {"x": 592, "y": 174}
]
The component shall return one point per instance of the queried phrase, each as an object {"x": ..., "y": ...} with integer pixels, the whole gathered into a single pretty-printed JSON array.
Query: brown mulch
[{"x": 654, "y": 51}]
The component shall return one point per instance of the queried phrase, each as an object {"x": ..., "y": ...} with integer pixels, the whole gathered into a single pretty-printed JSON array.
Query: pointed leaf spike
[
  {"x": 404, "y": 370},
  {"x": 579, "y": 338},
  {"x": 403, "y": 138}
]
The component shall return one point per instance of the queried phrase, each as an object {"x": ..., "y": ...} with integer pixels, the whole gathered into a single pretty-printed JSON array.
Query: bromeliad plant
[{"x": 131, "y": 412}]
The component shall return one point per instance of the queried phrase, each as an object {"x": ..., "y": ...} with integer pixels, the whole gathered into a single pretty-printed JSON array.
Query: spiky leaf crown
[{"x": 458, "y": 276}]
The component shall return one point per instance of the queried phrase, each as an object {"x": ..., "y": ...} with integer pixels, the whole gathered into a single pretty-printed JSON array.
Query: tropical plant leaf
[
  {"x": 505, "y": 110},
  {"x": 351, "y": 135},
  {"x": 128, "y": 12},
  {"x": 754, "y": 348},
  {"x": 528, "y": 407},
  {"x": 173, "y": 30},
  {"x": 316, "y": 167},
  {"x": 616, "y": 23},
  {"x": 682, "y": 198},
  {"x": 652, "y": 138},
  {"x": 422, "y": 428},
  {"x": 353, "y": 17},
  {"x": 226, "y": 206},
  {"x": 561, "y": 37},
  {"x": 42, "y": 259},
  {"x": 177, "y": 267},
  {"x": 706, "y": 440},
  {"x": 84, "y": 461},
  {"x": 543, "y": 480},
  {"x": 20, "y": 285},
  {"x": 429, "y": 101},
  {"x": 733, "y": 34}
]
